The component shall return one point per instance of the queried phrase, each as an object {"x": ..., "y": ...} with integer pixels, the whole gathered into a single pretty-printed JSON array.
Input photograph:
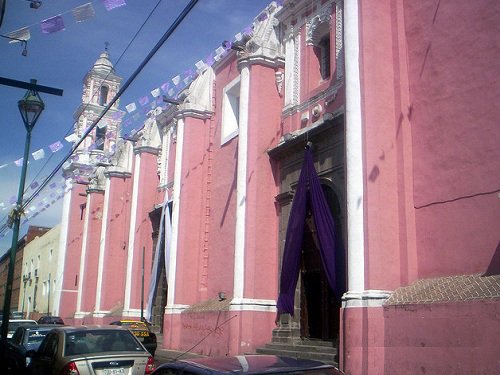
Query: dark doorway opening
[
  {"x": 160, "y": 294},
  {"x": 320, "y": 305}
]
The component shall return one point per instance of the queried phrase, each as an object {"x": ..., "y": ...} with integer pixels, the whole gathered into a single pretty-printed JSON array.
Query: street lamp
[{"x": 30, "y": 107}]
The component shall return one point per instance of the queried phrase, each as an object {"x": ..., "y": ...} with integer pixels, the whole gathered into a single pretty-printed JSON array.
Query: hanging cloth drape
[
  {"x": 162, "y": 249},
  {"x": 308, "y": 196}
]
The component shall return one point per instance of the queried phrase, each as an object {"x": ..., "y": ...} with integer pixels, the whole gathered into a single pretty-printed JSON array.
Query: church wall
[
  {"x": 115, "y": 244},
  {"x": 261, "y": 217},
  {"x": 389, "y": 249},
  {"x": 222, "y": 201},
  {"x": 191, "y": 265},
  {"x": 90, "y": 249},
  {"x": 430, "y": 197},
  {"x": 73, "y": 248},
  {"x": 147, "y": 197},
  {"x": 455, "y": 133}
]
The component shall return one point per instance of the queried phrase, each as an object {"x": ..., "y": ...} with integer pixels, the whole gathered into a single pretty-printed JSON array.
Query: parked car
[
  {"x": 14, "y": 323},
  {"x": 248, "y": 364},
  {"x": 89, "y": 350},
  {"x": 47, "y": 319},
  {"x": 24, "y": 339},
  {"x": 142, "y": 331}
]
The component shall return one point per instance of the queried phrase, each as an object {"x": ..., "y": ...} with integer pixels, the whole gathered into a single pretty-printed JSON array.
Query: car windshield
[
  {"x": 85, "y": 342},
  {"x": 13, "y": 325},
  {"x": 36, "y": 337}
]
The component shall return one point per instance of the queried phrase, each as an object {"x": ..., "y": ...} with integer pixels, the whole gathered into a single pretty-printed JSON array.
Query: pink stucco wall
[
  {"x": 458, "y": 338},
  {"x": 67, "y": 305},
  {"x": 115, "y": 254},
  {"x": 147, "y": 196},
  {"x": 205, "y": 252},
  {"x": 219, "y": 333},
  {"x": 261, "y": 243},
  {"x": 455, "y": 132},
  {"x": 93, "y": 240},
  {"x": 192, "y": 253},
  {"x": 390, "y": 250}
]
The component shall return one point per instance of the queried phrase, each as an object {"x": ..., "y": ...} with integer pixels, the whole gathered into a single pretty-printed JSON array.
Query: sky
[{"x": 60, "y": 59}]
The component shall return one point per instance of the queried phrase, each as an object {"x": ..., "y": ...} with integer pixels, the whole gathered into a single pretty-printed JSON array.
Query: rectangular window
[{"x": 230, "y": 111}]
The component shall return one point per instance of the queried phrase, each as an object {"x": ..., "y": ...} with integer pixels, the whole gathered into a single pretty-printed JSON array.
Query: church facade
[{"x": 204, "y": 193}]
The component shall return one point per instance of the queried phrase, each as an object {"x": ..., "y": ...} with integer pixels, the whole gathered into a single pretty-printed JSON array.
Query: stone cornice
[
  {"x": 146, "y": 149},
  {"x": 95, "y": 189},
  {"x": 117, "y": 173},
  {"x": 186, "y": 110},
  {"x": 272, "y": 62}
]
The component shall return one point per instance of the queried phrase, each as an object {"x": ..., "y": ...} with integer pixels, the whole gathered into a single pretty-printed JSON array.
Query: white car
[{"x": 89, "y": 350}]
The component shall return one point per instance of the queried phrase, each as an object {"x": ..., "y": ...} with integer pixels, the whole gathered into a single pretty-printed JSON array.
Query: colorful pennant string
[
  {"x": 52, "y": 25},
  {"x": 83, "y": 12}
]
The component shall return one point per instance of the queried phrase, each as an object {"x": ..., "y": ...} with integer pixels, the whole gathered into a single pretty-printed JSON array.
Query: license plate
[{"x": 113, "y": 371}]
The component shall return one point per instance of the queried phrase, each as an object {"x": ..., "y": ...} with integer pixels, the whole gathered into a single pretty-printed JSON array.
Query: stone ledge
[{"x": 447, "y": 289}]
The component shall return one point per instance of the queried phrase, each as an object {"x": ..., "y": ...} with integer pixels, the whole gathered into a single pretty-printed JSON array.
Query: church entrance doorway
[
  {"x": 316, "y": 305},
  {"x": 320, "y": 305}
]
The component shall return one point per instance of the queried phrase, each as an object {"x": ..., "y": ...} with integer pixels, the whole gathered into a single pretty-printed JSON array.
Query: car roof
[
  {"x": 87, "y": 328},
  {"x": 22, "y": 321},
  {"x": 36, "y": 326},
  {"x": 249, "y": 364}
]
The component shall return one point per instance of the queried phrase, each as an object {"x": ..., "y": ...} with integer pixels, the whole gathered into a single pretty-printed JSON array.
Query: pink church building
[{"x": 330, "y": 183}]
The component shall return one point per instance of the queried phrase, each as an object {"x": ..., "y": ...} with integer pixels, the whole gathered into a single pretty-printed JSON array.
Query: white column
[
  {"x": 357, "y": 295},
  {"x": 131, "y": 234},
  {"x": 171, "y": 308},
  {"x": 102, "y": 248},
  {"x": 241, "y": 188},
  {"x": 61, "y": 254},
  {"x": 354, "y": 151},
  {"x": 79, "y": 313}
]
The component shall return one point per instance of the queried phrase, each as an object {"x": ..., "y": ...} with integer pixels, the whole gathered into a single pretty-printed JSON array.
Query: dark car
[
  {"x": 14, "y": 323},
  {"x": 142, "y": 331},
  {"x": 50, "y": 320},
  {"x": 248, "y": 364},
  {"x": 25, "y": 338}
]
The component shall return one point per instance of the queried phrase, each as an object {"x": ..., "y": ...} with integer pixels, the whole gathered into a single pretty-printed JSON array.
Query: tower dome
[{"x": 103, "y": 63}]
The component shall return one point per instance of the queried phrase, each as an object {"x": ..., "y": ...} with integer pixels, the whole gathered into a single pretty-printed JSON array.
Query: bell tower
[{"x": 100, "y": 86}]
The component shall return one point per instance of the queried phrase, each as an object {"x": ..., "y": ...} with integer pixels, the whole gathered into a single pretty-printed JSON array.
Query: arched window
[{"x": 103, "y": 95}]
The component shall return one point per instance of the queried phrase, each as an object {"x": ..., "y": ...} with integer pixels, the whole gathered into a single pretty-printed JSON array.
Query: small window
[
  {"x": 103, "y": 95},
  {"x": 230, "y": 111},
  {"x": 324, "y": 46},
  {"x": 100, "y": 137}
]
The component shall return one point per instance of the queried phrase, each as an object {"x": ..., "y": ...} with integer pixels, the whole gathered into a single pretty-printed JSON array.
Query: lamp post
[{"x": 30, "y": 107}]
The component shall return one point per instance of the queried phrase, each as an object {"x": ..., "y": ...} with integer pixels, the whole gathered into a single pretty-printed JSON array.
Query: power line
[
  {"x": 123, "y": 88},
  {"x": 107, "y": 75}
]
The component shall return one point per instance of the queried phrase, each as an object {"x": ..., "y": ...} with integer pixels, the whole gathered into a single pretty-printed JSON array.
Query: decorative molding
[
  {"x": 329, "y": 93},
  {"x": 175, "y": 309},
  {"x": 250, "y": 304},
  {"x": 284, "y": 198},
  {"x": 280, "y": 78},
  {"x": 365, "y": 298},
  {"x": 339, "y": 39},
  {"x": 318, "y": 26},
  {"x": 146, "y": 149}
]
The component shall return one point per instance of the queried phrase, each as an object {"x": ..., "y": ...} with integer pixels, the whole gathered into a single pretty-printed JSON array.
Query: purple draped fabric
[{"x": 308, "y": 196}]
